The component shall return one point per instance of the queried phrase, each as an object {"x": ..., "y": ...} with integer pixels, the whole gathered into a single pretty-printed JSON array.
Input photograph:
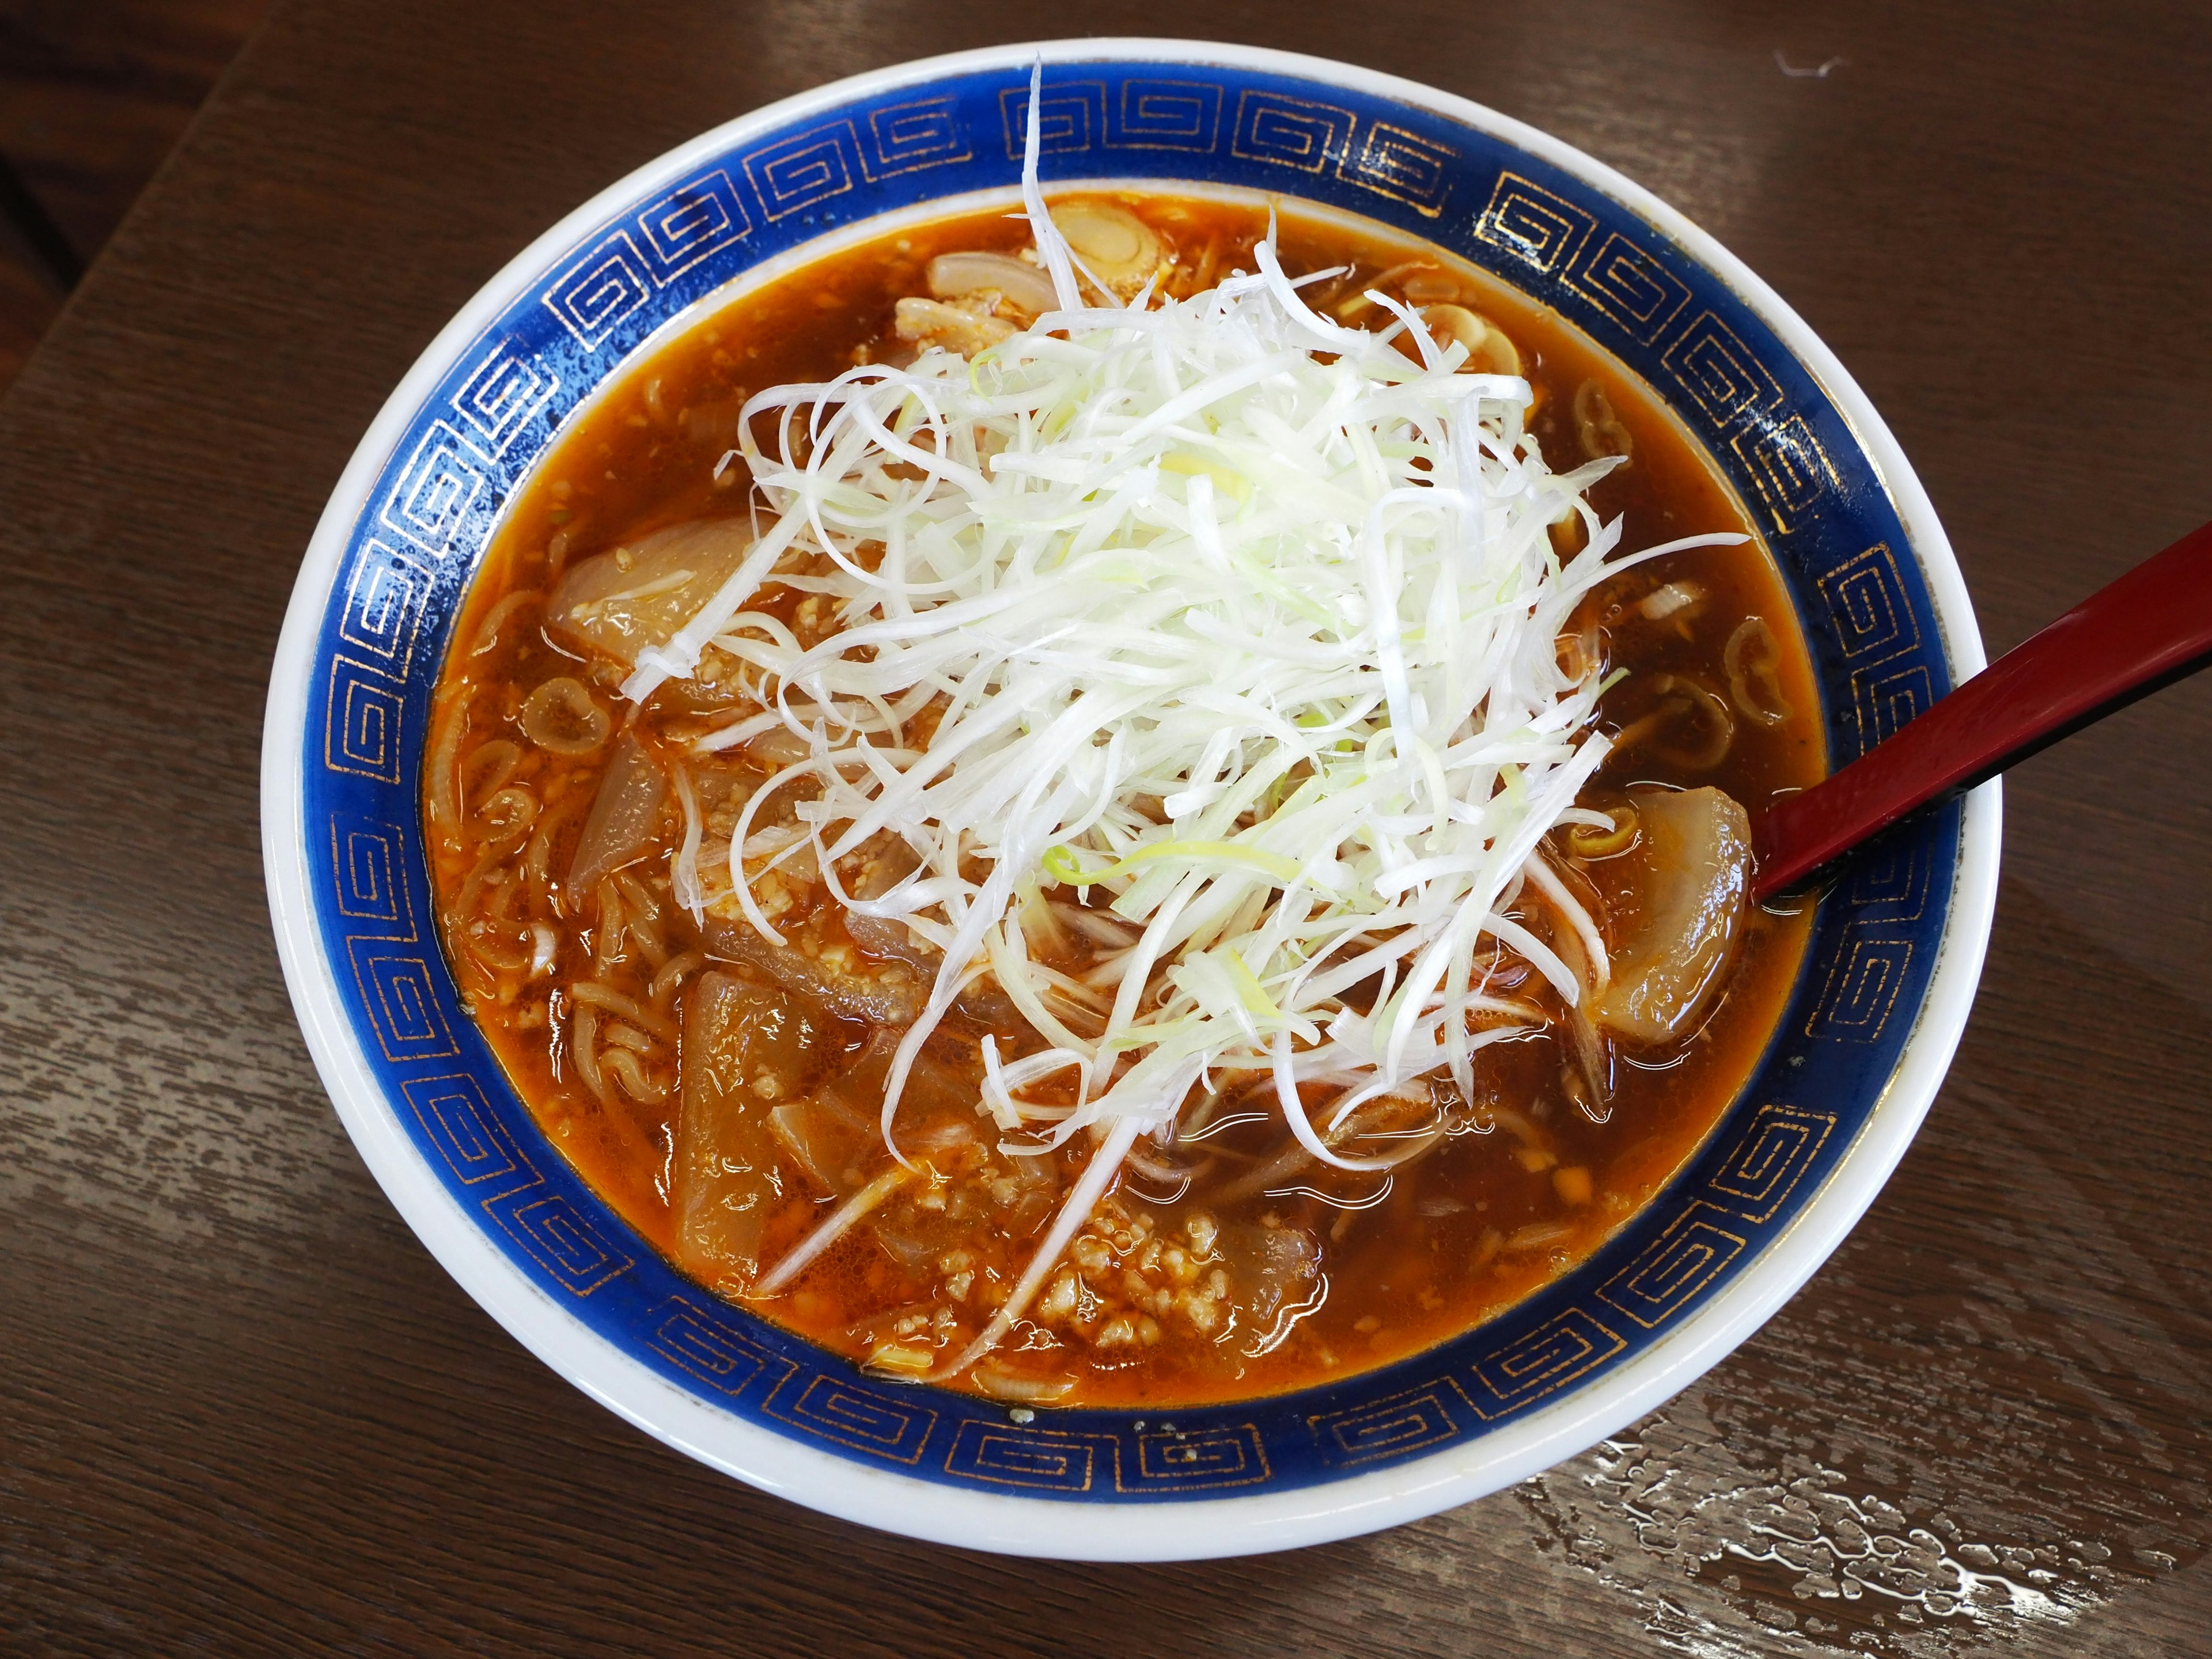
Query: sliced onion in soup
[
  {"x": 745, "y": 1045},
  {"x": 837, "y": 1144},
  {"x": 951, "y": 274},
  {"x": 624, "y": 818},
  {"x": 1681, "y": 893},
  {"x": 619, "y": 602}
]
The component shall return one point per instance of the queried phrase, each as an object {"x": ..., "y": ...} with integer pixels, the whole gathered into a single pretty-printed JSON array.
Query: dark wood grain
[
  {"x": 242, "y": 1412},
  {"x": 94, "y": 94}
]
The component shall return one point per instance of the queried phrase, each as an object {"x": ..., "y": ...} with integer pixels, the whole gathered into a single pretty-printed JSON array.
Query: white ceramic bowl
[{"x": 1892, "y": 971}]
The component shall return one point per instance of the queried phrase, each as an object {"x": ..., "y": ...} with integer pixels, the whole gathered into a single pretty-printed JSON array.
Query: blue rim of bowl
[{"x": 1761, "y": 412}]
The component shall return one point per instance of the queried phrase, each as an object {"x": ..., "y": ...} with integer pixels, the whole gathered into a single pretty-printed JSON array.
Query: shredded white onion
[{"x": 1240, "y": 615}]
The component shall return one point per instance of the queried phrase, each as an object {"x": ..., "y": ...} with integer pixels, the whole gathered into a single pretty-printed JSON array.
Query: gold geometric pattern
[
  {"x": 697, "y": 219},
  {"x": 1395, "y": 163},
  {"x": 1887, "y": 695},
  {"x": 1721, "y": 374},
  {"x": 560, "y": 1237},
  {"x": 893, "y": 1429},
  {"x": 1071, "y": 117},
  {"x": 1529, "y": 222},
  {"x": 1290, "y": 132},
  {"x": 614, "y": 278},
  {"x": 1219, "y": 1454},
  {"x": 805, "y": 170},
  {"x": 1049, "y": 1460},
  {"x": 926, "y": 133},
  {"x": 500, "y": 395},
  {"x": 1767, "y": 1164},
  {"x": 382, "y": 611},
  {"x": 1545, "y": 1359},
  {"x": 391, "y": 975},
  {"x": 1396, "y": 1427},
  {"x": 704, "y": 1342},
  {"x": 1787, "y": 465},
  {"x": 364, "y": 859},
  {"x": 1866, "y": 596},
  {"x": 1183, "y": 115},
  {"x": 400, "y": 994},
  {"x": 1674, "y": 1267},
  {"x": 1862, "y": 990},
  {"x": 1889, "y": 883},
  {"x": 1630, "y": 287},
  {"x": 601, "y": 288},
  {"x": 437, "y": 489},
  {"x": 457, "y": 1116},
  {"x": 361, "y": 722}
]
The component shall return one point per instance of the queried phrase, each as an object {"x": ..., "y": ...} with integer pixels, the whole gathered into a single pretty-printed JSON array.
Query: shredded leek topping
[{"x": 1235, "y": 618}]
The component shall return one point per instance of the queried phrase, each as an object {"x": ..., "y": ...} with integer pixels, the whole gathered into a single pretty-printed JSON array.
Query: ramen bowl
[{"x": 1897, "y": 940}]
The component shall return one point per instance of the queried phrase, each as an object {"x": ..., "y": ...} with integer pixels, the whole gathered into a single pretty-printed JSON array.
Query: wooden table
[{"x": 242, "y": 1410}]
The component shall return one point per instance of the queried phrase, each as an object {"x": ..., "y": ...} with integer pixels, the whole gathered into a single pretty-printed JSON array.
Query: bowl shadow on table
[{"x": 1985, "y": 1415}]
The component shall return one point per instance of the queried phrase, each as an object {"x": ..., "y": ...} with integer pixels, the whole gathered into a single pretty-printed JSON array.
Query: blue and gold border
[{"x": 1762, "y": 415}]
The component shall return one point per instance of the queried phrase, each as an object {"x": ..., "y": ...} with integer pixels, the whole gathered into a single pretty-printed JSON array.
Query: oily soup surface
[{"x": 668, "y": 1065}]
